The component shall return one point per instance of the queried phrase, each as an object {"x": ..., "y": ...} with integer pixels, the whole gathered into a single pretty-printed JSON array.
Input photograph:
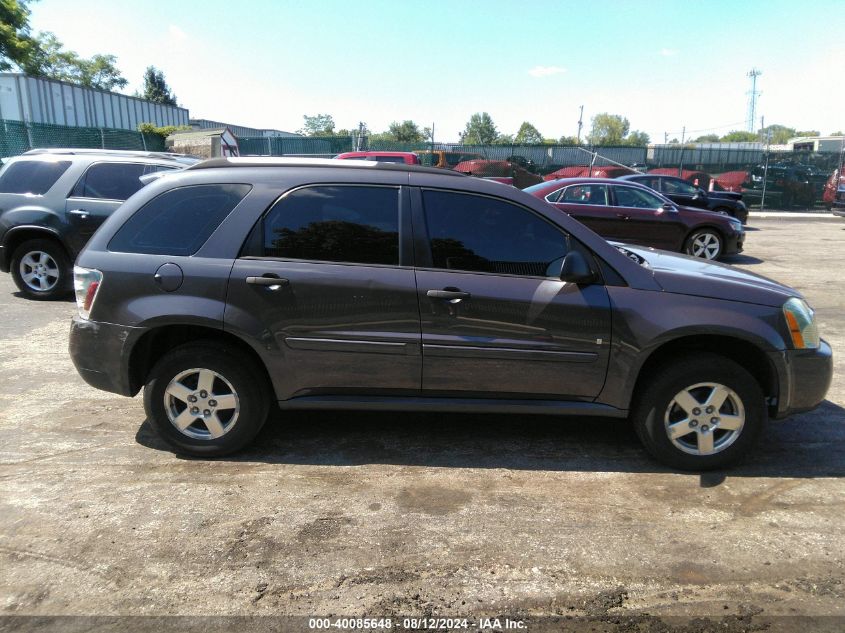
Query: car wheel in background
[
  {"x": 700, "y": 413},
  {"x": 206, "y": 399},
  {"x": 41, "y": 270},
  {"x": 705, "y": 243}
]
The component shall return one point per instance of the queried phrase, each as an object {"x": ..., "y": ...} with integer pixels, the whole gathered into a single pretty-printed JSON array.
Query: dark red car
[
  {"x": 407, "y": 158},
  {"x": 834, "y": 192},
  {"x": 577, "y": 171},
  {"x": 627, "y": 212}
]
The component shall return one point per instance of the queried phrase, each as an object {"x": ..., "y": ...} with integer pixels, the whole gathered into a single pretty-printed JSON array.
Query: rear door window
[
  {"x": 34, "y": 177},
  {"x": 110, "y": 181},
  {"x": 335, "y": 223},
  {"x": 585, "y": 194},
  {"x": 637, "y": 198},
  {"x": 179, "y": 221}
]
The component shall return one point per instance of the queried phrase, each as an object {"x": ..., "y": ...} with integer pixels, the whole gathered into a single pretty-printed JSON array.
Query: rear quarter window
[
  {"x": 34, "y": 177},
  {"x": 179, "y": 221}
]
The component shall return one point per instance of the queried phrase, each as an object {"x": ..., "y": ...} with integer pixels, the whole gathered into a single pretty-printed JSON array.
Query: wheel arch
[
  {"x": 16, "y": 236},
  {"x": 745, "y": 353},
  {"x": 155, "y": 343}
]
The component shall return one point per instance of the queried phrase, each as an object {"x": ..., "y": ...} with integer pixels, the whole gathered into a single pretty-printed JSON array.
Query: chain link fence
[{"x": 17, "y": 137}]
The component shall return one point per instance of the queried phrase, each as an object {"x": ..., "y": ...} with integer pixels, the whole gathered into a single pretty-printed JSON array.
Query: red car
[
  {"x": 408, "y": 158},
  {"x": 698, "y": 178},
  {"x": 625, "y": 211},
  {"x": 500, "y": 171},
  {"x": 834, "y": 193},
  {"x": 577, "y": 171}
]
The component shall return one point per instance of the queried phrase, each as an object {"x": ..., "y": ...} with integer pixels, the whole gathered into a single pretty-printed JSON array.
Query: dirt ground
[{"x": 389, "y": 515}]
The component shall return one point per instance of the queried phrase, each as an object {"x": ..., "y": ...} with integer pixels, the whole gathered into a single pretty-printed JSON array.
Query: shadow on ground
[{"x": 806, "y": 445}]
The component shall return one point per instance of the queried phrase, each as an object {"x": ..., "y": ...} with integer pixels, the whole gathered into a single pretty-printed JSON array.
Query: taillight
[{"x": 86, "y": 284}]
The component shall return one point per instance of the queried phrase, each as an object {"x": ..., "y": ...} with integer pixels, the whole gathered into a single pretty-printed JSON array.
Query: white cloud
[
  {"x": 176, "y": 33},
  {"x": 545, "y": 71},
  {"x": 668, "y": 52}
]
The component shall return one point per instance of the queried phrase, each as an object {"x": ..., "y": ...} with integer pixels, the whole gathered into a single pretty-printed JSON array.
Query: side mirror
[{"x": 575, "y": 269}]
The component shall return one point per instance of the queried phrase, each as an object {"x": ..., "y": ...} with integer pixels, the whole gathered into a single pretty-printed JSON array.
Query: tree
[
  {"x": 318, "y": 125},
  {"x": 50, "y": 59},
  {"x": 16, "y": 44},
  {"x": 707, "y": 138},
  {"x": 480, "y": 130},
  {"x": 608, "y": 129},
  {"x": 739, "y": 136},
  {"x": 156, "y": 88},
  {"x": 428, "y": 134},
  {"x": 405, "y": 132},
  {"x": 504, "y": 139},
  {"x": 839, "y": 133},
  {"x": 568, "y": 140},
  {"x": 808, "y": 133},
  {"x": 100, "y": 72},
  {"x": 528, "y": 135},
  {"x": 637, "y": 139}
]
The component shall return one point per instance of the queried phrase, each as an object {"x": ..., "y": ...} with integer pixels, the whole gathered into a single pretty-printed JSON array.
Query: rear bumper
[
  {"x": 804, "y": 377},
  {"x": 100, "y": 353}
]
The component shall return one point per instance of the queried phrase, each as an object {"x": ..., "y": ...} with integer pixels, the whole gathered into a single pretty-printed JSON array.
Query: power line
[{"x": 709, "y": 129}]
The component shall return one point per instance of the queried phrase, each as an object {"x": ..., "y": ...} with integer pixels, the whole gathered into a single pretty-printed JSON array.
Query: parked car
[
  {"x": 242, "y": 283},
  {"x": 578, "y": 171},
  {"x": 685, "y": 194},
  {"x": 500, "y": 170},
  {"x": 52, "y": 201},
  {"x": 407, "y": 158},
  {"x": 629, "y": 212},
  {"x": 445, "y": 159},
  {"x": 834, "y": 193},
  {"x": 786, "y": 185}
]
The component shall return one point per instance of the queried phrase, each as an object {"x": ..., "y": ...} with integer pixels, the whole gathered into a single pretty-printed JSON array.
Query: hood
[{"x": 685, "y": 275}]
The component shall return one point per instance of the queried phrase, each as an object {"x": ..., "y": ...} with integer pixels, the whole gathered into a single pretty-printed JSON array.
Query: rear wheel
[
  {"x": 206, "y": 399},
  {"x": 705, "y": 243},
  {"x": 41, "y": 270},
  {"x": 700, "y": 413}
]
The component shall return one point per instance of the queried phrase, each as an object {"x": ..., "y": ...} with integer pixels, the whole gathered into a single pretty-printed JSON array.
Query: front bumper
[
  {"x": 100, "y": 353},
  {"x": 734, "y": 243},
  {"x": 804, "y": 377},
  {"x": 4, "y": 265}
]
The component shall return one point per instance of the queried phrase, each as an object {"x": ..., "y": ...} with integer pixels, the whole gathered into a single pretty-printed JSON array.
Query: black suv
[
  {"x": 686, "y": 194},
  {"x": 240, "y": 283},
  {"x": 52, "y": 201}
]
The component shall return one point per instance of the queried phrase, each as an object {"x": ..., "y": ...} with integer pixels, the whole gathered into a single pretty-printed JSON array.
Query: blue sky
[{"x": 663, "y": 65}]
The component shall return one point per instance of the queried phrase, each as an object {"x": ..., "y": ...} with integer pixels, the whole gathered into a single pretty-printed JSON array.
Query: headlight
[
  {"x": 801, "y": 321},
  {"x": 736, "y": 224}
]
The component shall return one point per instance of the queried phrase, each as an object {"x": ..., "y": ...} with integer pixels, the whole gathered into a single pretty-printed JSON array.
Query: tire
[
  {"x": 42, "y": 270},
  {"x": 692, "y": 381},
  {"x": 705, "y": 243},
  {"x": 235, "y": 380}
]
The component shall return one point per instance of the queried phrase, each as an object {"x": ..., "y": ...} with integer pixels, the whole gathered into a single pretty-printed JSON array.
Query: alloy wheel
[
  {"x": 39, "y": 271},
  {"x": 201, "y": 404},
  {"x": 706, "y": 245},
  {"x": 704, "y": 419}
]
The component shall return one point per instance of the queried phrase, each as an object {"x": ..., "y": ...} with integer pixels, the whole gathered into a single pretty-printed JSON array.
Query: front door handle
[
  {"x": 80, "y": 213},
  {"x": 273, "y": 282},
  {"x": 623, "y": 216},
  {"x": 449, "y": 295}
]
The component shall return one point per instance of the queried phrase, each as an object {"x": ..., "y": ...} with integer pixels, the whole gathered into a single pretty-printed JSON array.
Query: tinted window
[
  {"x": 630, "y": 197},
  {"x": 335, "y": 224},
  {"x": 110, "y": 181},
  {"x": 585, "y": 194},
  {"x": 482, "y": 234},
  {"x": 178, "y": 221},
  {"x": 32, "y": 176},
  {"x": 389, "y": 159},
  {"x": 679, "y": 187}
]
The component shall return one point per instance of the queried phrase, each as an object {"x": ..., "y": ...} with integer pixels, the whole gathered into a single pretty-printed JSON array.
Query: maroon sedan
[{"x": 628, "y": 212}]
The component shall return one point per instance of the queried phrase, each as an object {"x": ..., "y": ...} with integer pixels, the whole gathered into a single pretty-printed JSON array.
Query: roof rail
[
  {"x": 109, "y": 152},
  {"x": 281, "y": 161}
]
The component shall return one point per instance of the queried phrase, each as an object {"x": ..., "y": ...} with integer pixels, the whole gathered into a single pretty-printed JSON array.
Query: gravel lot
[{"x": 385, "y": 514}]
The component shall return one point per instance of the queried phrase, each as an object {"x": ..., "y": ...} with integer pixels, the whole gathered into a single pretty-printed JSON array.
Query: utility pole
[
  {"x": 681, "y": 162},
  {"x": 752, "y": 97},
  {"x": 580, "y": 124},
  {"x": 665, "y": 138}
]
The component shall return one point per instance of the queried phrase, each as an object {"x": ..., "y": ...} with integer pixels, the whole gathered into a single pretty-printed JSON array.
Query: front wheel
[
  {"x": 700, "y": 413},
  {"x": 41, "y": 270},
  {"x": 704, "y": 243},
  {"x": 206, "y": 399}
]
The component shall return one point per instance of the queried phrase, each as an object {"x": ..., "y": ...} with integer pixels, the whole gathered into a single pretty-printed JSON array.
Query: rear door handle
[
  {"x": 81, "y": 213},
  {"x": 269, "y": 281},
  {"x": 447, "y": 294},
  {"x": 623, "y": 216}
]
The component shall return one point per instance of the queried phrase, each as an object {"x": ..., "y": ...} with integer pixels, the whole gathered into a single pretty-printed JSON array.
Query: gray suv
[
  {"x": 52, "y": 201},
  {"x": 242, "y": 283}
]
